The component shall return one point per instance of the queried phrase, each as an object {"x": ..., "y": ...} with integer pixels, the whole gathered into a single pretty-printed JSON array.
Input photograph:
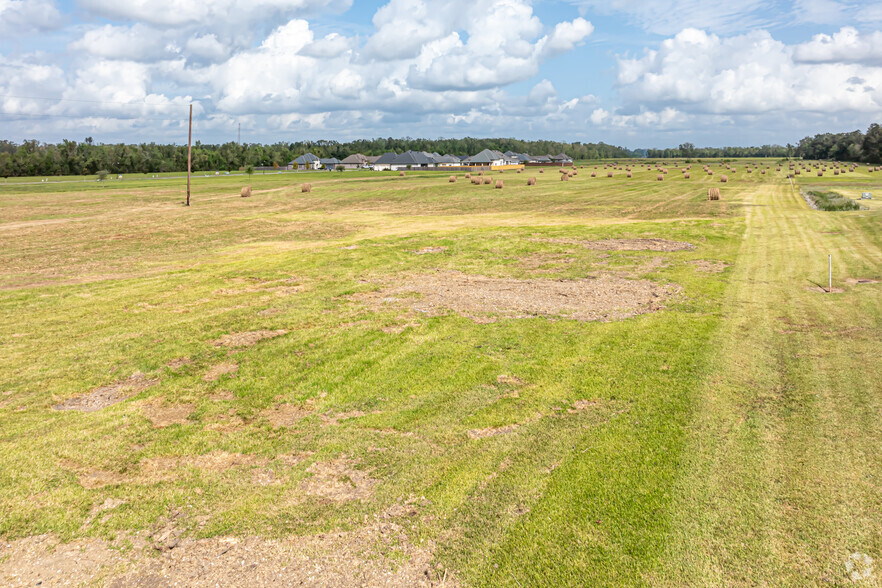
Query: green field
[{"x": 604, "y": 381}]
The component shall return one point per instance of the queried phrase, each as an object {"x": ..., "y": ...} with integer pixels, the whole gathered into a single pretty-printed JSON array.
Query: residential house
[
  {"x": 356, "y": 161},
  {"x": 384, "y": 162},
  {"x": 305, "y": 161},
  {"x": 413, "y": 160},
  {"x": 330, "y": 164},
  {"x": 487, "y": 157},
  {"x": 561, "y": 158}
]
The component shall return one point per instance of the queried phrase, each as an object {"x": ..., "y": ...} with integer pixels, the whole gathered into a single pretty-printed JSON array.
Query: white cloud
[
  {"x": 135, "y": 43},
  {"x": 740, "y": 75},
  {"x": 845, "y": 46},
  {"x": 24, "y": 17}
]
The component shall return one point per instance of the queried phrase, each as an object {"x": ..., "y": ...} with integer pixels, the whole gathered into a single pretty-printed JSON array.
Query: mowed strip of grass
[{"x": 553, "y": 494}]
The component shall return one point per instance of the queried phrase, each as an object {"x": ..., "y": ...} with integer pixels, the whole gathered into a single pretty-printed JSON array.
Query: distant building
[
  {"x": 384, "y": 162},
  {"x": 355, "y": 161},
  {"x": 305, "y": 161},
  {"x": 487, "y": 157},
  {"x": 329, "y": 164}
]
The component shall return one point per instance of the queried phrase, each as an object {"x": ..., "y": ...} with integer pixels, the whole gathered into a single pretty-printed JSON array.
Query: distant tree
[
  {"x": 871, "y": 146},
  {"x": 102, "y": 174},
  {"x": 249, "y": 170}
]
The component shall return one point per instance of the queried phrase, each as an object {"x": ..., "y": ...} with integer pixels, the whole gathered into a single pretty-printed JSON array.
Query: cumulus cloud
[
  {"x": 741, "y": 75},
  {"x": 135, "y": 43},
  {"x": 845, "y": 46},
  {"x": 24, "y": 17}
]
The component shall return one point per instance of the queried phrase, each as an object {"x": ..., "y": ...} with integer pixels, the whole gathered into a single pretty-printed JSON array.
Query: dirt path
[{"x": 782, "y": 484}]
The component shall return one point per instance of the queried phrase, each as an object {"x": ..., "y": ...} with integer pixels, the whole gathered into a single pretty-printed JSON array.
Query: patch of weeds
[{"x": 831, "y": 201}]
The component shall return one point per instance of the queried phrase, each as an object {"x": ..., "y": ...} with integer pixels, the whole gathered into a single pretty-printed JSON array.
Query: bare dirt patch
[
  {"x": 604, "y": 297},
  {"x": 508, "y": 380},
  {"x": 492, "y": 431},
  {"x": 286, "y": 415},
  {"x": 378, "y": 554},
  {"x": 221, "y": 369},
  {"x": 855, "y": 281},
  {"x": 179, "y": 362},
  {"x": 426, "y": 250},
  {"x": 338, "y": 480},
  {"x": 161, "y": 415},
  {"x": 624, "y": 244},
  {"x": 246, "y": 339},
  {"x": 108, "y": 395},
  {"x": 709, "y": 266}
]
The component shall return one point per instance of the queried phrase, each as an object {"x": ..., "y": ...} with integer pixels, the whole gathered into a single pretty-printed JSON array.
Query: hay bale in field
[
  {"x": 710, "y": 172},
  {"x": 452, "y": 179},
  {"x": 246, "y": 192},
  {"x": 724, "y": 178},
  {"x": 796, "y": 171},
  {"x": 400, "y": 173},
  {"x": 762, "y": 171},
  {"x": 629, "y": 174},
  {"x": 564, "y": 177},
  {"x": 499, "y": 184},
  {"x": 468, "y": 176},
  {"x": 835, "y": 172},
  {"x": 820, "y": 173},
  {"x": 541, "y": 171},
  {"x": 306, "y": 188},
  {"x": 593, "y": 174},
  {"x": 480, "y": 173},
  {"x": 488, "y": 180},
  {"x": 660, "y": 177},
  {"x": 778, "y": 168},
  {"x": 520, "y": 170},
  {"x": 713, "y": 193},
  {"x": 531, "y": 181},
  {"x": 609, "y": 174}
]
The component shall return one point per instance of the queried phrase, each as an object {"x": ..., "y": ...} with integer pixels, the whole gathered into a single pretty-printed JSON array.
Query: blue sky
[{"x": 638, "y": 73}]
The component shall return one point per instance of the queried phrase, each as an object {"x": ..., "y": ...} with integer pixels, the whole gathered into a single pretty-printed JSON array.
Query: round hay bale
[
  {"x": 629, "y": 174},
  {"x": 541, "y": 171},
  {"x": 820, "y": 173},
  {"x": 713, "y": 193},
  {"x": 564, "y": 178},
  {"x": 710, "y": 172},
  {"x": 480, "y": 173},
  {"x": 593, "y": 174},
  {"x": 306, "y": 188},
  {"x": 488, "y": 180},
  {"x": 796, "y": 171},
  {"x": 609, "y": 174},
  {"x": 468, "y": 176},
  {"x": 835, "y": 172},
  {"x": 724, "y": 178},
  {"x": 499, "y": 184},
  {"x": 246, "y": 192},
  {"x": 400, "y": 173},
  {"x": 531, "y": 181},
  {"x": 686, "y": 176},
  {"x": 660, "y": 177},
  {"x": 452, "y": 179}
]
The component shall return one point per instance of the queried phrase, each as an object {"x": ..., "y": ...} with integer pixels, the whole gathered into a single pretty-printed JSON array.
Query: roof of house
[
  {"x": 355, "y": 158},
  {"x": 305, "y": 158},
  {"x": 386, "y": 158},
  {"x": 372, "y": 158},
  {"x": 541, "y": 158},
  {"x": 330, "y": 161},
  {"x": 486, "y": 156},
  {"x": 448, "y": 159},
  {"x": 561, "y": 157},
  {"x": 413, "y": 158}
]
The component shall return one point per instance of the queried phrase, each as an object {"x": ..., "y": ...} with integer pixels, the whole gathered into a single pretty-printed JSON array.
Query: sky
[{"x": 636, "y": 73}]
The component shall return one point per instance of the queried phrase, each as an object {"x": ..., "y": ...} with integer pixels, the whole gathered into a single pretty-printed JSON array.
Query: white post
[{"x": 830, "y": 273}]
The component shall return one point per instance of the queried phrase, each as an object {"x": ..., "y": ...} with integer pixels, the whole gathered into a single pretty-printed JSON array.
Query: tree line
[
  {"x": 848, "y": 146},
  {"x": 34, "y": 158}
]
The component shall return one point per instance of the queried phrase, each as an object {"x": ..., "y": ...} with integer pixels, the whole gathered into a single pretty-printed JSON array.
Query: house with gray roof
[
  {"x": 305, "y": 161},
  {"x": 485, "y": 158},
  {"x": 384, "y": 162},
  {"x": 561, "y": 158},
  {"x": 330, "y": 164},
  {"x": 413, "y": 160},
  {"x": 355, "y": 161}
]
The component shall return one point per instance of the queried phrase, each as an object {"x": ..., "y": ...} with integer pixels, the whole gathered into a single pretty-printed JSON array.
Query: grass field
[{"x": 403, "y": 381}]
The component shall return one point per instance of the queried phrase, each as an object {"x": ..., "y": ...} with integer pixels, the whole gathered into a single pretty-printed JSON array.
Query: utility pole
[{"x": 189, "y": 153}]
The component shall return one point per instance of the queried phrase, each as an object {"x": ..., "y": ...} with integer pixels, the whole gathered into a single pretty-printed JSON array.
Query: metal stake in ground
[{"x": 189, "y": 153}]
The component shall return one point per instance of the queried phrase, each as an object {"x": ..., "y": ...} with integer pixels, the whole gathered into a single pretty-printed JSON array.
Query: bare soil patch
[
  {"x": 855, "y": 281},
  {"x": 108, "y": 395},
  {"x": 246, "y": 339},
  {"x": 338, "y": 480},
  {"x": 286, "y": 415},
  {"x": 426, "y": 250},
  {"x": 624, "y": 244},
  {"x": 216, "y": 371},
  {"x": 179, "y": 362},
  {"x": 161, "y": 415},
  {"x": 334, "y": 560},
  {"x": 604, "y": 297},
  {"x": 491, "y": 431},
  {"x": 709, "y": 266}
]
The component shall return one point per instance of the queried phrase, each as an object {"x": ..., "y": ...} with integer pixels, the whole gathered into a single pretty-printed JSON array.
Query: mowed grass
[{"x": 719, "y": 445}]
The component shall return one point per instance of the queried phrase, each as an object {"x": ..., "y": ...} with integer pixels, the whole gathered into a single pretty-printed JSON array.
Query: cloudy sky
[{"x": 638, "y": 73}]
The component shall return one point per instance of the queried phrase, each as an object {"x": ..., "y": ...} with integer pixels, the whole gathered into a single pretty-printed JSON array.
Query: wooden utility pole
[{"x": 189, "y": 153}]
